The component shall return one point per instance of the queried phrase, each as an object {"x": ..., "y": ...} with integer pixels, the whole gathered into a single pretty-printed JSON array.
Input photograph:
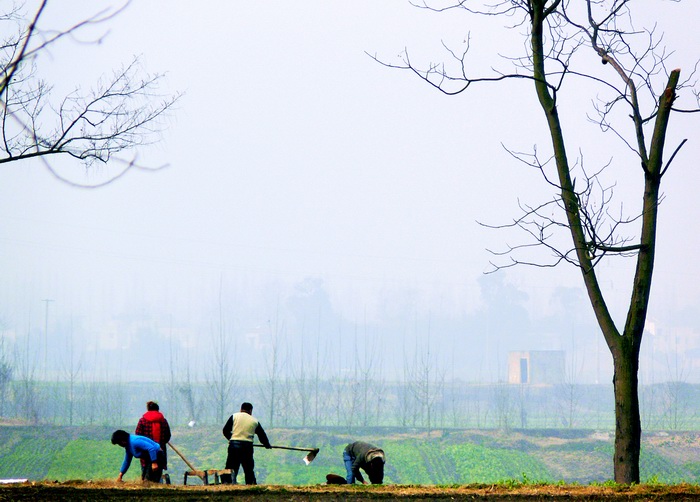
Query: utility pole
[{"x": 46, "y": 338}]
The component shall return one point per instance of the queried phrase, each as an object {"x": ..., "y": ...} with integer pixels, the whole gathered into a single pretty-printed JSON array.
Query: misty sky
[{"x": 300, "y": 172}]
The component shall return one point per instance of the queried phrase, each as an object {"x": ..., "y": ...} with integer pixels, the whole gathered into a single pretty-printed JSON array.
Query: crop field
[{"x": 444, "y": 458}]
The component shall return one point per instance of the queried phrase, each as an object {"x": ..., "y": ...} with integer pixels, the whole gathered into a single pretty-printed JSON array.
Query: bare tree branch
[{"x": 122, "y": 112}]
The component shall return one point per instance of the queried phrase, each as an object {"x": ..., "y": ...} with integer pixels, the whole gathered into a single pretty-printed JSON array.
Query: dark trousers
[
  {"x": 150, "y": 474},
  {"x": 240, "y": 453}
]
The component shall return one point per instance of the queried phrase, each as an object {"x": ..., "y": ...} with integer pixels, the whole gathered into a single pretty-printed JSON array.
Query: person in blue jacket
[{"x": 140, "y": 447}]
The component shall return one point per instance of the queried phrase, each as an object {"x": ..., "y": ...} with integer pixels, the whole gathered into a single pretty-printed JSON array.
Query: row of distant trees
[
  {"x": 307, "y": 396},
  {"x": 311, "y": 382}
]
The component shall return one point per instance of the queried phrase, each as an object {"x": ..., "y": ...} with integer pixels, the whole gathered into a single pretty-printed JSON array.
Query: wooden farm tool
[{"x": 203, "y": 475}]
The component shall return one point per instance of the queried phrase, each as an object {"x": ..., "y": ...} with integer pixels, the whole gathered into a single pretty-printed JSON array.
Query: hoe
[{"x": 307, "y": 459}]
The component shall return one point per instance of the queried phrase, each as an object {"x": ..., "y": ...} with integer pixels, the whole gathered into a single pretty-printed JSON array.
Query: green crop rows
[{"x": 63, "y": 453}]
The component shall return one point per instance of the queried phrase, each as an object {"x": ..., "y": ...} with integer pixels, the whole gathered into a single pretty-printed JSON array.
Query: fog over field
[{"x": 317, "y": 208}]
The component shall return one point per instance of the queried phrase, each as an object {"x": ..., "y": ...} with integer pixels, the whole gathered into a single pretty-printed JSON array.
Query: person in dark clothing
[
  {"x": 239, "y": 430},
  {"x": 361, "y": 455},
  {"x": 140, "y": 447},
  {"x": 153, "y": 425}
]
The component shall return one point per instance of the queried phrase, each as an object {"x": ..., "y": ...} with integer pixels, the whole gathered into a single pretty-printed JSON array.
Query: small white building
[{"x": 536, "y": 367}]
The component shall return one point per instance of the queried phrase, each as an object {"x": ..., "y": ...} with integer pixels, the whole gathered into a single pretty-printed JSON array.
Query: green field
[{"x": 414, "y": 457}]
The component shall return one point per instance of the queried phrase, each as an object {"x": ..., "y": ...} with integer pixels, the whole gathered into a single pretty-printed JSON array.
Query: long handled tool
[
  {"x": 307, "y": 459},
  {"x": 199, "y": 473}
]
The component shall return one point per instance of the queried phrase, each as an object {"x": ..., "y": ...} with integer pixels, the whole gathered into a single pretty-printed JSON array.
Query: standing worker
[
  {"x": 153, "y": 425},
  {"x": 361, "y": 455},
  {"x": 239, "y": 430},
  {"x": 143, "y": 448}
]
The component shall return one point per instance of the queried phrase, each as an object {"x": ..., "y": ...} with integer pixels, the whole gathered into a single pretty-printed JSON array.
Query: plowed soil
[{"x": 109, "y": 491}]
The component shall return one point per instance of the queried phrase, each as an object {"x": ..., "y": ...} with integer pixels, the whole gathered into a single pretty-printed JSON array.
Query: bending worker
[
  {"x": 361, "y": 455},
  {"x": 140, "y": 447},
  {"x": 239, "y": 430}
]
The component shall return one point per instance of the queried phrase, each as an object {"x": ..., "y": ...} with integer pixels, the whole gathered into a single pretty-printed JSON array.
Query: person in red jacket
[{"x": 153, "y": 425}]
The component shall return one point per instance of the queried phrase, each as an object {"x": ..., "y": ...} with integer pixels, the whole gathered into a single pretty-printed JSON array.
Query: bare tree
[
  {"x": 169, "y": 389},
  {"x": 272, "y": 383},
  {"x": 676, "y": 413},
  {"x": 310, "y": 401},
  {"x": 222, "y": 378},
  {"x": 318, "y": 405},
  {"x": 675, "y": 397},
  {"x": 93, "y": 393},
  {"x": 367, "y": 375},
  {"x": 343, "y": 387},
  {"x": 27, "y": 392},
  {"x": 188, "y": 390},
  {"x": 634, "y": 94},
  {"x": 406, "y": 405},
  {"x": 648, "y": 398},
  {"x": 71, "y": 370},
  {"x": 6, "y": 369},
  {"x": 6, "y": 375},
  {"x": 305, "y": 386},
  {"x": 504, "y": 406},
  {"x": 356, "y": 387},
  {"x": 111, "y": 398},
  {"x": 523, "y": 400},
  {"x": 121, "y": 112},
  {"x": 569, "y": 393},
  {"x": 426, "y": 383},
  {"x": 374, "y": 383}
]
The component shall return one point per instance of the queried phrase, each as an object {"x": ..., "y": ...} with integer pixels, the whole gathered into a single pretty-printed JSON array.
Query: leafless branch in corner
[{"x": 122, "y": 112}]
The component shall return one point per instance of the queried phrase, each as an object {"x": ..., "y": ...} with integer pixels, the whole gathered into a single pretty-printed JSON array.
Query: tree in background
[
  {"x": 170, "y": 388},
  {"x": 188, "y": 390},
  {"x": 309, "y": 302},
  {"x": 221, "y": 375},
  {"x": 72, "y": 364},
  {"x": 426, "y": 381},
  {"x": 634, "y": 95},
  {"x": 368, "y": 373},
  {"x": 27, "y": 394},
  {"x": 121, "y": 112},
  {"x": 675, "y": 393},
  {"x": 6, "y": 370},
  {"x": 271, "y": 385},
  {"x": 304, "y": 385}
]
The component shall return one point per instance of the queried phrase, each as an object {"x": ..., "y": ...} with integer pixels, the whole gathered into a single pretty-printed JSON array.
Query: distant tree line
[{"x": 347, "y": 403}]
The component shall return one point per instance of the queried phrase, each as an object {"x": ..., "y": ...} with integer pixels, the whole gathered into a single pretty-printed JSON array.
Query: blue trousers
[{"x": 349, "y": 476}]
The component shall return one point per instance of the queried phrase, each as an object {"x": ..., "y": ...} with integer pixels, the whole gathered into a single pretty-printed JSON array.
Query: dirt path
[{"x": 109, "y": 491}]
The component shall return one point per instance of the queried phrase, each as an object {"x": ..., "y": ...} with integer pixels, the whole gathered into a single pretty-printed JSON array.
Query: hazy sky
[{"x": 294, "y": 155}]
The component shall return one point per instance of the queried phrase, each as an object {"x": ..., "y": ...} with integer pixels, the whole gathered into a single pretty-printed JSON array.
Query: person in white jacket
[{"x": 240, "y": 429}]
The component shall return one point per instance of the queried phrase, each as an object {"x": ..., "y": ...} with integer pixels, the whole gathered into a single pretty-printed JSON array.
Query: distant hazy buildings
[
  {"x": 670, "y": 353},
  {"x": 536, "y": 367}
]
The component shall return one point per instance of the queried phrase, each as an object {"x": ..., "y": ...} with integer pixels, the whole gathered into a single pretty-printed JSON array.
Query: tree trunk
[
  {"x": 628, "y": 427},
  {"x": 623, "y": 347}
]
